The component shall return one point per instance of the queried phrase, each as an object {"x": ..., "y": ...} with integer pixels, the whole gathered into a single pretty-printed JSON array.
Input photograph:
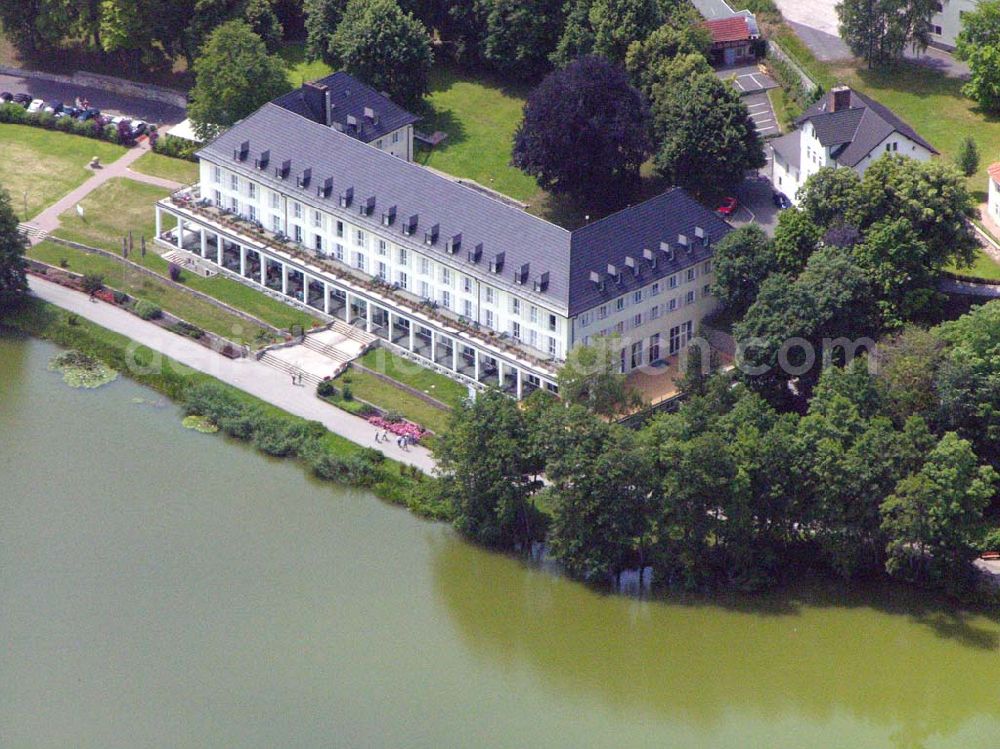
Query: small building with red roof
[{"x": 734, "y": 39}]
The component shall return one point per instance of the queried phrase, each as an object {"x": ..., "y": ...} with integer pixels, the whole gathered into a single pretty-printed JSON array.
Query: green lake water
[{"x": 165, "y": 588}]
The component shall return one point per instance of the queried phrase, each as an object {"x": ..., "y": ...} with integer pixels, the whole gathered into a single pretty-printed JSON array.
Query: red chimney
[{"x": 840, "y": 98}]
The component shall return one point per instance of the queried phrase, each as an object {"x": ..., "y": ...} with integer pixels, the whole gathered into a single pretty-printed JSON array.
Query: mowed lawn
[
  {"x": 167, "y": 167},
  {"x": 43, "y": 165},
  {"x": 300, "y": 69},
  {"x": 480, "y": 117},
  {"x": 442, "y": 388}
]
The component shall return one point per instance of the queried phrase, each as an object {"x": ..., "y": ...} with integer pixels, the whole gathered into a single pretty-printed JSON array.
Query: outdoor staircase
[
  {"x": 353, "y": 332},
  {"x": 32, "y": 232},
  {"x": 190, "y": 261},
  {"x": 273, "y": 361},
  {"x": 328, "y": 351}
]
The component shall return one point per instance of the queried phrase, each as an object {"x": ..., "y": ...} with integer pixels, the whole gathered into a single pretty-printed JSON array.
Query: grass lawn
[
  {"x": 391, "y": 398},
  {"x": 444, "y": 389},
  {"x": 982, "y": 267},
  {"x": 167, "y": 167},
  {"x": 46, "y": 164},
  {"x": 118, "y": 275},
  {"x": 300, "y": 69},
  {"x": 480, "y": 117}
]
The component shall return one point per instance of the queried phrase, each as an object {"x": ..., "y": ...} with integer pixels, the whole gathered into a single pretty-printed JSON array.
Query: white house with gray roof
[
  {"x": 843, "y": 129},
  {"x": 476, "y": 287}
]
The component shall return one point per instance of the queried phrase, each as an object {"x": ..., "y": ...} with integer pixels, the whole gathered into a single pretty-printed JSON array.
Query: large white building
[
  {"x": 843, "y": 129},
  {"x": 478, "y": 288},
  {"x": 947, "y": 21}
]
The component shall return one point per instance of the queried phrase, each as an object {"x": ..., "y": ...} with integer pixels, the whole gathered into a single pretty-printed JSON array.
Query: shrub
[
  {"x": 175, "y": 272},
  {"x": 367, "y": 409},
  {"x": 45, "y": 119},
  {"x": 353, "y": 469},
  {"x": 187, "y": 329},
  {"x": 73, "y": 319},
  {"x": 13, "y": 113},
  {"x": 92, "y": 282},
  {"x": 119, "y": 297},
  {"x": 394, "y": 416},
  {"x": 63, "y": 262},
  {"x": 326, "y": 389},
  {"x": 147, "y": 310},
  {"x": 347, "y": 394},
  {"x": 179, "y": 148}
]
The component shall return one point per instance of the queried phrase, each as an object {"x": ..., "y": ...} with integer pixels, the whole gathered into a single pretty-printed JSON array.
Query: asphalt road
[{"x": 151, "y": 111}]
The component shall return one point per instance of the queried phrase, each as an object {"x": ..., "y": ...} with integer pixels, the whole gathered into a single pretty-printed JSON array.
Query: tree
[
  {"x": 386, "y": 48},
  {"x": 263, "y": 19},
  {"x": 881, "y": 30},
  {"x": 584, "y": 129},
  {"x": 978, "y": 44},
  {"x": 603, "y": 489},
  {"x": 653, "y": 60},
  {"x": 743, "y": 259},
  {"x": 618, "y": 23},
  {"x": 833, "y": 196},
  {"x": 34, "y": 25},
  {"x": 967, "y": 158},
  {"x": 592, "y": 378},
  {"x": 206, "y": 17},
  {"x": 521, "y": 34},
  {"x": 234, "y": 76},
  {"x": 488, "y": 472},
  {"x": 13, "y": 245},
  {"x": 125, "y": 29},
  {"x": 322, "y": 18},
  {"x": 796, "y": 238},
  {"x": 703, "y": 135},
  {"x": 934, "y": 516},
  {"x": 577, "y": 38}
]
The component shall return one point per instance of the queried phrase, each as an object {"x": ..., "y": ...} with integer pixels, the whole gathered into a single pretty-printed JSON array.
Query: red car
[{"x": 728, "y": 206}]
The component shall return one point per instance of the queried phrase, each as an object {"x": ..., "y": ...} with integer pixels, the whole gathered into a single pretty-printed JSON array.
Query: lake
[{"x": 165, "y": 588}]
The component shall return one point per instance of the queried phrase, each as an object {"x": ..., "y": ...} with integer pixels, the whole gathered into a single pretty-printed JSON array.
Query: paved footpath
[
  {"x": 248, "y": 374},
  {"x": 48, "y": 220}
]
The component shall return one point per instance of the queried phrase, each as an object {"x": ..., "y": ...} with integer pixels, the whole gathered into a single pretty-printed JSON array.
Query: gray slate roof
[
  {"x": 568, "y": 257},
  {"x": 857, "y": 129},
  {"x": 789, "y": 147},
  {"x": 350, "y": 97}
]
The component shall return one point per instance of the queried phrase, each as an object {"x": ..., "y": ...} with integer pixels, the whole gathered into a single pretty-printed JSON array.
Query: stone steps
[
  {"x": 32, "y": 232},
  {"x": 273, "y": 361},
  {"x": 327, "y": 351}
]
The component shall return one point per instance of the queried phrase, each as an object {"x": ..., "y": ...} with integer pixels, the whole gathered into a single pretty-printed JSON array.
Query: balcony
[{"x": 189, "y": 201}]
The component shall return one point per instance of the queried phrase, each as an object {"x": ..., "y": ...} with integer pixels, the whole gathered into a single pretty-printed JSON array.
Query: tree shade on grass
[
  {"x": 444, "y": 389},
  {"x": 167, "y": 167},
  {"x": 46, "y": 164},
  {"x": 300, "y": 68}
]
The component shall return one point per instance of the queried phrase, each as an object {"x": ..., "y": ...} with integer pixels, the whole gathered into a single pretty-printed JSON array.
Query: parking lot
[{"x": 762, "y": 114}]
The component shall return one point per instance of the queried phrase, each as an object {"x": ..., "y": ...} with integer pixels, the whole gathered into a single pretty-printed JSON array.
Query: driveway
[
  {"x": 762, "y": 114},
  {"x": 756, "y": 204},
  {"x": 747, "y": 79},
  {"x": 115, "y": 104}
]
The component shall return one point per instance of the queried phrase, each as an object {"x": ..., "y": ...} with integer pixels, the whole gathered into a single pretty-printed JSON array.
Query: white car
[{"x": 36, "y": 105}]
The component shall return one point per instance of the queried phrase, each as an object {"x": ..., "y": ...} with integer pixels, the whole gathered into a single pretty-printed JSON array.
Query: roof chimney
[
  {"x": 840, "y": 98},
  {"x": 315, "y": 98}
]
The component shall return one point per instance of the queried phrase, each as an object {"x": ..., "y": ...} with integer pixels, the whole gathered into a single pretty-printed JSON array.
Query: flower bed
[{"x": 402, "y": 428}]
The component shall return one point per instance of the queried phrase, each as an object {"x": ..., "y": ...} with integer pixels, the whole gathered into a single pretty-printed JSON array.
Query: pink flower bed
[{"x": 402, "y": 428}]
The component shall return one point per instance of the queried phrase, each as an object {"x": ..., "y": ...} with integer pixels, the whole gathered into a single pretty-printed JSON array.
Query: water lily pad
[
  {"x": 199, "y": 424},
  {"x": 82, "y": 371}
]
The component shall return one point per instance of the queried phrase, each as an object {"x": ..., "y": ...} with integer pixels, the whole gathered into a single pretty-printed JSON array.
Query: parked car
[
  {"x": 54, "y": 107},
  {"x": 23, "y": 99},
  {"x": 781, "y": 201},
  {"x": 69, "y": 112},
  {"x": 88, "y": 114},
  {"x": 36, "y": 105},
  {"x": 728, "y": 206},
  {"x": 6, "y": 96},
  {"x": 138, "y": 128}
]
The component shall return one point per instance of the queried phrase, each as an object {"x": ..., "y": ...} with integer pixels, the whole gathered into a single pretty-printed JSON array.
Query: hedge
[
  {"x": 178, "y": 148},
  {"x": 15, "y": 114}
]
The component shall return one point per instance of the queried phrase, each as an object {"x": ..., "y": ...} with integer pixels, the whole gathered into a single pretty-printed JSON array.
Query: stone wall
[{"x": 107, "y": 83}]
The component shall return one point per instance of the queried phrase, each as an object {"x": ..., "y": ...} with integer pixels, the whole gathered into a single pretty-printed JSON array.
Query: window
[
  {"x": 425, "y": 266},
  {"x": 636, "y": 354},
  {"x": 217, "y": 175},
  {"x": 533, "y": 314},
  {"x": 383, "y": 271},
  {"x": 218, "y": 198},
  {"x": 691, "y": 274},
  {"x": 425, "y": 290},
  {"x": 552, "y": 322},
  {"x": 404, "y": 257},
  {"x": 654, "y": 347},
  {"x": 446, "y": 299},
  {"x": 275, "y": 201},
  {"x": 672, "y": 305},
  {"x": 297, "y": 210},
  {"x": 298, "y": 233},
  {"x": 490, "y": 295},
  {"x": 620, "y": 303},
  {"x": 276, "y": 224},
  {"x": 404, "y": 280},
  {"x": 637, "y": 296},
  {"x": 467, "y": 307},
  {"x": 602, "y": 312},
  {"x": 252, "y": 212},
  {"x": 515, "y": 330},
  {"x": 395, "y": 137},
  {"x": 655, "y": 311},
  {"x": 252, "y": 190},
  {"x": 383, "y": 248},
  {"x": 552, "y": 346},
  {"x": 620, "y": 327},
  {"x": 706, "y": 290},
  {"x": 515, "y": 306},
  {"x": 340, "y": 228},
  {"x": 489, "y": 319},
  {"x": 689, "y": 298},
  {"x": 338, "y": 251},
  {"x": 378, "y": 144},
  {"x": 234, "y": 205},
  {"x": 466, "y": 284},
  {"x": 672, "y": 282},
  {"x": 359, "y": 260},
  {"x": 637, "y": 320},
  {"x": 655, "y": 289},
  {"x": 584, "y": 319},
  {"x": 533, "y": 337},
  {"x": 707, "y": 267},
  {"x": 234, "y": 182},
  {"x": 446, "y": 276},
  {"x": 317, "y": 219},
  {"x": 318, "y": 243},
  {"x": 359, "y": 238}
]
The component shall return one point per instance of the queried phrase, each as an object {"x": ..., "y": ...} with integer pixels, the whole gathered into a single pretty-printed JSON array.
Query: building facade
[
  {"x": 947, "y": 21},
  {"x": 477, "y": 288},
  {"x": 844, "y": 129}
]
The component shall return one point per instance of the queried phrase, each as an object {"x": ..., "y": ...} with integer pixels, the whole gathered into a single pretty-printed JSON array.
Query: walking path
[
  {"x": 47, "y": 221},
  {"x": 248, "y": 375}
]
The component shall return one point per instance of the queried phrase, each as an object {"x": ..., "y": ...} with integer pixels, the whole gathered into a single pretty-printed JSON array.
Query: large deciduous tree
[
  {"x": 521, "y": 34},
  {"x": 703, "y": 136},
  {"x": 386, "y": 48},
  {"x": 591, "y": 377},
  {"x": 234, "y": 76},
  {"x": 13, "y": 244},
  {"x": 322, "y": 18},
  {"x": 881, "y": 30},
  {"x": 978, "y": 43},
  {"x": 584, "y": 129},
  {"x": 618, "y": 23},
  {"x": 743, "y": 259}
]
